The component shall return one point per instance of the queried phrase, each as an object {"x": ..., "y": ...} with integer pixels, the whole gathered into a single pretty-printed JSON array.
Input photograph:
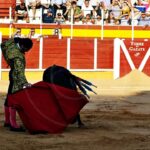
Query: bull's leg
[{"x": 80, "y": 123}]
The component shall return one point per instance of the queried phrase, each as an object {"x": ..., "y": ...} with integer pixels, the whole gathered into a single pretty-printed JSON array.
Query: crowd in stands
[
  {"x": 107, "y": 12},
  {"x": 32, "y": 34}
]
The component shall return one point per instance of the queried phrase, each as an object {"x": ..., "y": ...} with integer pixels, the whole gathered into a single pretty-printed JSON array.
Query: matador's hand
[{"x": 27, "y": 85}]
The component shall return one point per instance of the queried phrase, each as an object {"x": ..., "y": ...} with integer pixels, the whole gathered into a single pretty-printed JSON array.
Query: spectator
[
  {"x": 116, "y": 9},
  {"x": 17, "y": 34},
  {"x": 68, "y": 7},
  {"x": 77, "y": 13},
  {"x": 59, "y": 5},
  {"x": 46, "y": 5},
  {"x": 130, "y": 3},
  {"x": 145, "y": 3},
  {"x": 99, "y": 20},
  {"x": 98, "y": 9},
  {"x": 127, "y": 1},
  {"x": 48, "y": 17},
  {"x": 101, "y": 6},
  {"x": 135, "y": 16},
  {"x": 111, "y": 20},
  {"x": 59, "y": 19},
  {"x": 126, "y": 9},
  {"x": 87, "y": 8},
  {"x": 33, "y": 35},
  {"x": 87, "y": 20},
  {"x": 34, "y": 4},
  {"x": 125, "y": 20},
  {"x": 136, "y": 11},
  {"x": 68, "y": 4},
  {"x": 144, "y": 20},
  {"x": 21, "y": 13}
]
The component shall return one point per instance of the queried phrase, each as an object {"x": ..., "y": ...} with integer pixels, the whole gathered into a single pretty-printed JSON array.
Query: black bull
[{"x": 61, "y": 76}]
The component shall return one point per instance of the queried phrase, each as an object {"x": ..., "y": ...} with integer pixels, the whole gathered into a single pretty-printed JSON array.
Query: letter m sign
[{"x": 130, "y": 55}]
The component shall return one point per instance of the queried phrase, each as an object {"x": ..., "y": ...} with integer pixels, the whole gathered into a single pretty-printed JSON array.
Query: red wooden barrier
[
  {"x": 4, "y": 65},
  {"x": 54, "y": 52},
  {"x": 124, "y": 65},
  {"x": 4, "y": 7},
  {"x": 82, "y": 54},
  {"x": 105, "y": 54},
  {"x": 32, "y": 57}
]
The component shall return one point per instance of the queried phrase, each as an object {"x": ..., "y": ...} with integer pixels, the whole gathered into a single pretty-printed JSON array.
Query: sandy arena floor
[{"x": 118, "y": 118}]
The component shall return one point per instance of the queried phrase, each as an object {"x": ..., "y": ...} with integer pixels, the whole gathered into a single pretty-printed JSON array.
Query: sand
[{"x": 118, "y": 118}]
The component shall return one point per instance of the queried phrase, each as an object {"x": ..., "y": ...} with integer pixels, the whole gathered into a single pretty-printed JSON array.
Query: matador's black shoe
[
  {"x": 7, "y": 125},
  {"x": 20, "y": 129}
]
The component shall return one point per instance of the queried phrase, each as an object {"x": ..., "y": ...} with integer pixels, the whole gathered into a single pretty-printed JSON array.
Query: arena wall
[{"x": 81, "y": 55}]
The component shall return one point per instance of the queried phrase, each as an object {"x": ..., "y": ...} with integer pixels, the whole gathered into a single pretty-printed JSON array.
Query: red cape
[{"x": 47, "y": 107}]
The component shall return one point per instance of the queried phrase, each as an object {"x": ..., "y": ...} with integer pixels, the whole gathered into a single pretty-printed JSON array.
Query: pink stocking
[
  {"x": 7, "y": 115},
  {"x": 13, "y": 117}
]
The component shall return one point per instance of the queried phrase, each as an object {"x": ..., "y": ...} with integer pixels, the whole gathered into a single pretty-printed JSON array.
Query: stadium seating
[{"x": 9, "y": 5}]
